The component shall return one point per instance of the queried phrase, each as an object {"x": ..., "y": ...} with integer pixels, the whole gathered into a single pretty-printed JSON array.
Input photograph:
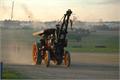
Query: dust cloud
[
  {"x": 17, "y": 54},
  {"x": 16, "y": 47}
]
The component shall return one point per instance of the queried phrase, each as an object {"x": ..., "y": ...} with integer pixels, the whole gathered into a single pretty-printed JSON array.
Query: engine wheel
[
  {"x": 37, "y": 59},
  {"x": 47, "y": 58},
  {"x": 67, "y": 59}
]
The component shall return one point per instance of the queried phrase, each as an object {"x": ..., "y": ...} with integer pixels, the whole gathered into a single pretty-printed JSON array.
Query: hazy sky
[{"x": 46, "y": 10}]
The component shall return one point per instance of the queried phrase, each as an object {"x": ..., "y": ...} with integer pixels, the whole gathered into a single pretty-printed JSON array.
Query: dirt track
[{"x": 83, "y": 66}]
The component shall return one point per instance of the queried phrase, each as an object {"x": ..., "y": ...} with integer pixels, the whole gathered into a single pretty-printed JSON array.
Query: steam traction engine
[{"x": 51, "y": 44}]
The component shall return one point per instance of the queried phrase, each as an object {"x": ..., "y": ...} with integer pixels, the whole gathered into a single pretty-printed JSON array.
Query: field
[
  {"x": 101, "y": 41},
  {"x": 95, "y": 56}
]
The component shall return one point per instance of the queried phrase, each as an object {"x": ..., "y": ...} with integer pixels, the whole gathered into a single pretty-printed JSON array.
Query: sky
[{"x": 47, "y": 10}]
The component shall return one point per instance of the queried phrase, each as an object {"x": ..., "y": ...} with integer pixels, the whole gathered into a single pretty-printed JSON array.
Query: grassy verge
[{"x": 9, "y": 74}]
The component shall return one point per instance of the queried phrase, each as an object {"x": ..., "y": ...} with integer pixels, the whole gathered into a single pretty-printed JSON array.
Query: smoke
[
  {"x": 31, "y": 18},
  {"x": 28, "y": 12}
]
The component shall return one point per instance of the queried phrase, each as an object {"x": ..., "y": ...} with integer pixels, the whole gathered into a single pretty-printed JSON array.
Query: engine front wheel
[
  {"x": 37, "y": 59},
  {"x": 47, "y": 58},
  {"x": 67, "y": 59}
]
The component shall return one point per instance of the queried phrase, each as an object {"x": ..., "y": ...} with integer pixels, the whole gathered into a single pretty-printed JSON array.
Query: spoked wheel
[
  {"x": 67, "y": 59},
  {"x": 47, "y": 58},
  {"x": 36, "y": 54}
]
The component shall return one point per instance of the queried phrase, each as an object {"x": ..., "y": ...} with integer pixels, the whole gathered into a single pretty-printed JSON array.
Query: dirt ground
[{"x": 92, "y": 66}]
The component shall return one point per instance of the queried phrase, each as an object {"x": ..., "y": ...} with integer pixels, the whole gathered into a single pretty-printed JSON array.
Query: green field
[
  {"x": 102, "y": 41},
  {"x": 108, "y": 39},
  {"x": 8, "y": 74}
]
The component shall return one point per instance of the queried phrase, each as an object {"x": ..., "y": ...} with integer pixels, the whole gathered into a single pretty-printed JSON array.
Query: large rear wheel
[
  {"x": 37, "y": 59},
  {"x": 47, "y": 58},
  {"x": 67, "y": 59}
]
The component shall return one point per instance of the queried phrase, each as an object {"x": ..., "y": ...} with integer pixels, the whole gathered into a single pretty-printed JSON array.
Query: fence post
[{"x": 1, "y": 66}]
